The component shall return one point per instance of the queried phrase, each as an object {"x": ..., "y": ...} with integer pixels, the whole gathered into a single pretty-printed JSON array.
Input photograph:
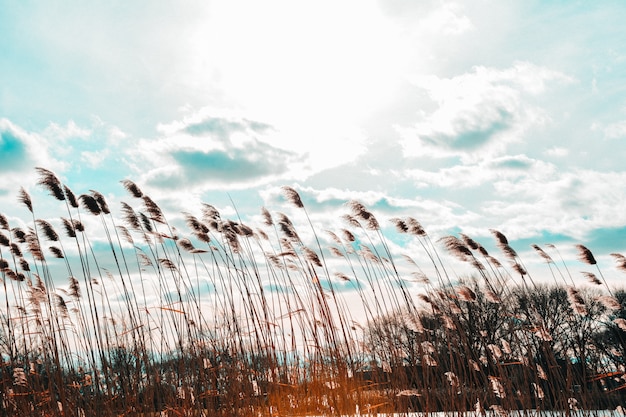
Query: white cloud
[
  {"x": 573, "y": 203},
  {"x": 615, "y": 130},
  {"x": 447, "y": 19},
  {"x": 97, "y": 144},
  {"x": 557, "y": 151},
  {"x": 94, "y": 159},
  {"x": 70, "y": 131},
  {"x": 204, "y": 151},
  {"x": 480, "y": 112},
  {"x": 20, "y": 153},
  {"x": 487, "y": 171}
]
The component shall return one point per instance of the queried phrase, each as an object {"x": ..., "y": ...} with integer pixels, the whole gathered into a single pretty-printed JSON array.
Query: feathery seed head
[
  {"x": 519, "y": 269},
  {"x": 492, "y": 297},
  {"x": 15, "y": 250},
  {"x": 195, "y": 224},
  {"x": 24, "y": 198},
  {"x": 210, "y": 212},
  {"x": 334, "y": 237},
  {"x": 104, "y": 207},
  {"x": 577, "y": 303},
  {"x": 267, "y": 217},
  {"x": 19, "y": 234},
  {"x": 68, "y": 225},
  {"x": 50, "y": 181},
  {"x": 610, "y": 302},
  {"x": 585, "y": 255},
  {"x": 153, "y": 210},
  {"x": 130, "y": 217},
  {"x": 262, "y": 234},
  {"x": 311, "y": 256},
  {"x": 244, "y": 230},
  {"x": 592, "y": 278},
  {"x": 90, "y": 203},
  {"x": 542, "y": 253},
  {"x": 502, "y": 240},
  {"x": 621, "y": 261},
  {"x": 350, "y": 220},
  {"x": 56, "y": 252},
  {"x": 400, "y": 225},
  {"x": 621, "y": 323},
  {"x": 292, "y": 196},
  {"x": 342, "y": 276},
  {"x": 4, "y": 241},
  {"x": 74, "y": 287},
  {"x": 348, "y": 236},
  {"x": 465, "y": 293},
  {"x": 70, "y": 196},
  {"x": 132, "y": 188},
  {"x": 48, "y": 230},
  {"x": 359, "y": 211},
  {"x": 415, "y": 228},
  {"x": 24, "y": 265},
  {"x": 471, "y": 243},
  {"x": 287, "y": 227},
  {"x": 186, "y": 244},
  {"x": 146, "y": 222},
  {"x": 457, "y": 248}
]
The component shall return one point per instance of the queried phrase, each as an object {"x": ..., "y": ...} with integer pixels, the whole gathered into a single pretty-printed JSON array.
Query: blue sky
[{"x": 467, "y": 115}]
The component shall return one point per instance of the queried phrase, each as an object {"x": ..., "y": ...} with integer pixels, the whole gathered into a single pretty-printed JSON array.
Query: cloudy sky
[{"x": 466, "y": 115}]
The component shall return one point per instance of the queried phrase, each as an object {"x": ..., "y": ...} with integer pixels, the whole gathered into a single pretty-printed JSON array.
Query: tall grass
[{"x": 126, "y": 314}]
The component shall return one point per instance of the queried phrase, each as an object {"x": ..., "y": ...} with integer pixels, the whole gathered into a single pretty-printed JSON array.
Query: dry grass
[{"x": 138, "y": 317}]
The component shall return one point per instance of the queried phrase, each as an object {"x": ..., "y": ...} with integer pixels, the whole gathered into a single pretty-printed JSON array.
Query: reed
[{"x": 123, "y": 312}]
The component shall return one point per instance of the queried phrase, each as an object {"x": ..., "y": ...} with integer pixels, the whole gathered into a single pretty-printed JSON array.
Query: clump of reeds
[{"x": 215, "y": 316}]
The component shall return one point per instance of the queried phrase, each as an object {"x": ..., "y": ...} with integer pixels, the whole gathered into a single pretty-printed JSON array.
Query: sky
[{"x": 467, "y": 115}]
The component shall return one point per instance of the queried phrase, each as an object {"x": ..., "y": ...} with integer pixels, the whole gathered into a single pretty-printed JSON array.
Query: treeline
[{"x": 537, "y": 347}]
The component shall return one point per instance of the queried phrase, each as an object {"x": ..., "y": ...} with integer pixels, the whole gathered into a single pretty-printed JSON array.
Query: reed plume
[
  {"x": 543, "y": 254},
  {"x": 90, "y": 203},
  {"x": 132, "y": 188},
  {"x": 48, "y": 230},
  {"x": 415, "y": 228},
  {"x": 104, "y": 207},
  {"x": 50, "y": 181},
  {"x": 70, "y": 197},
  {"x": 620, "y": 260},
  {"x": 585, "y": 255},
  {"x": 292, "y": 196},
  {"x": 24, "y": 198},
  {"x": 359, "y": 211},
  {"x": 4, "y": 241},
  {"x": 4, "y": 224}
]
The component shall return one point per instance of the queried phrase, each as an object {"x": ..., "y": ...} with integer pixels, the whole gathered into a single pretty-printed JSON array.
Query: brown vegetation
[{"x": 229, "y": 319}]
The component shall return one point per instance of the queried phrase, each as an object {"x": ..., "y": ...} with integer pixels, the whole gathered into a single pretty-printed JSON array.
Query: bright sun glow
[{"x": 313, "y": 72}]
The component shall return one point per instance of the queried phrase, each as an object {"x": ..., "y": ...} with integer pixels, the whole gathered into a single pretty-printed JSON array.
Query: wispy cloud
[
  {"x": 440, "y": 18},
  {"x": 480, "y": 112},
  {"x": 488, "y": 171},
  {"x": 615, "y": 130}
]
